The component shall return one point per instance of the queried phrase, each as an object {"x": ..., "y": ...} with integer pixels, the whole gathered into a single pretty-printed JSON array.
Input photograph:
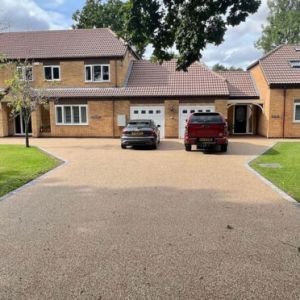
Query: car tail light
[{"x": 153, "y": 133}]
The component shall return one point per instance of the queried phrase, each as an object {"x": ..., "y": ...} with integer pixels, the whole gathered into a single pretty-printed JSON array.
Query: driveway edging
[
  {"x": 39, "y": 178},
  {"x": 282, "y": 193}
]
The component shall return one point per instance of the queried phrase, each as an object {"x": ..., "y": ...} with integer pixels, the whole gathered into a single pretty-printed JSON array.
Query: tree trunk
[
  {"x": 26, "y": 136},
  {"x": 27, "y": 119}
]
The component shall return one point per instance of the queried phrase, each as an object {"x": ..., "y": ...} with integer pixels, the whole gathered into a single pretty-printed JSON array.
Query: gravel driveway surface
[{"x": 139, "y": 224}]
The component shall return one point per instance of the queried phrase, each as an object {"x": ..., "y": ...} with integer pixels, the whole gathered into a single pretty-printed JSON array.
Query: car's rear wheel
[
  {"x": 154, "y": 146},
  {"x": 123, "y": 146},
  {"x": 188, "y": 147},
  {"x": 224, "y": 148}
]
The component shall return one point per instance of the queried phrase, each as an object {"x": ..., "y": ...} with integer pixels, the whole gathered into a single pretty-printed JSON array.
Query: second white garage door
[
  {"x": 185, "y": 111},
  {"x": 155, "y": 113}
]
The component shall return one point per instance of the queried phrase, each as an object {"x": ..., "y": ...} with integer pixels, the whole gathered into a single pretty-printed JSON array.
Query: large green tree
[
  {"x": 96, "y": 13},
  {"x": 187, "y": 25},
  {"x": 283, "y": 25}
]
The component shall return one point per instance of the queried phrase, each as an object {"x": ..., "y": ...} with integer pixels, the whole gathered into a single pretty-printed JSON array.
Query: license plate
[
  {"x": 205, "y": 140},
  {"x": 137, "y": 133}
]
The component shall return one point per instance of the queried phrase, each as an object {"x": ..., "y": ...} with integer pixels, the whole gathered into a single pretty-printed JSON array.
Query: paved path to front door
[{"x": 138, "y": 224}]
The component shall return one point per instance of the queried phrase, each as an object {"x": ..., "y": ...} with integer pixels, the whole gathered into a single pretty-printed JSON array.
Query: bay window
[
  {"x": 97, "y": 73},
  {"x": 71, "y": 115}
]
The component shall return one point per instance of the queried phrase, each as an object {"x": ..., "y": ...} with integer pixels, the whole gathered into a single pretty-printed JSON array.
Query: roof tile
[
  {"x": 276, "y": 65},
  {"x": 240, "y": 84},
  {"x": 100, "y": 42}
]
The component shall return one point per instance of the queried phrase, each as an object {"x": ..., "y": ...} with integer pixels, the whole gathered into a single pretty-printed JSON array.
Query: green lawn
[
  {"x": 19, "y": 165},
  {"x": 287, "y": 177}
]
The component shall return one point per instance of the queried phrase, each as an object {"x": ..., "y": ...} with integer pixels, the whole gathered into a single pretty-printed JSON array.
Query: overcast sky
[{"x": 237, "y": 50}]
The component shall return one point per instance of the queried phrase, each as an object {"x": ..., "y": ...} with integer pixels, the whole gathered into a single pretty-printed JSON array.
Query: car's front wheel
[
  {"x": 123, "y": 146},
  {"x": 188, "y": 147}
]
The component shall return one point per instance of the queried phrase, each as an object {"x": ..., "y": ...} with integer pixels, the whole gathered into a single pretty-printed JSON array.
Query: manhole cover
[{"x": 271, "y": 165}]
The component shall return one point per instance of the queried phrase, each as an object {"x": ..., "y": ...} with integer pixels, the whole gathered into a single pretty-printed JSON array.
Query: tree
[
  {"x": 220, "y": 67},
  {"x": 188, "y": 25},
  {"x": 21, "y": 97},
  {"x": 283, "y": 25},
  {"x": 96, "y": 14},
  {"x": 155, "y": 59}
]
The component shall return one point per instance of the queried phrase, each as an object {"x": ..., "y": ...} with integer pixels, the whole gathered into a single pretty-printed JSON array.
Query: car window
[
  {"x": 205, "y": 118},
  {"x": 138, "y": 124}
]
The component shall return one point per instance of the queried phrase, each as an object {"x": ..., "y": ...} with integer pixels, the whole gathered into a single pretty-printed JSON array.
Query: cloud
[
  {"x": 238, "y": 46},
  {"x": 23, "y": 15}
]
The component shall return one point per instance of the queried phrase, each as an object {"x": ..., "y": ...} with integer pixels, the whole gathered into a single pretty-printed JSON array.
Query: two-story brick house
[{"x": 95, "y": 83}]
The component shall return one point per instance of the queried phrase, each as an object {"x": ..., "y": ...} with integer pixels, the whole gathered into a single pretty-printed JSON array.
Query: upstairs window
[
  {"x": 52, "y": 73},
  {"x": 297, "y": 112},
  {"x": 25, "y": 73},
  {"x": 97, "y": 73},
  {"x": 295, "y": 63}
]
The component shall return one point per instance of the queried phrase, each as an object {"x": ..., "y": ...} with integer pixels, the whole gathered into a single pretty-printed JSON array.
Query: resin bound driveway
[{"x": 132, "y": 224}]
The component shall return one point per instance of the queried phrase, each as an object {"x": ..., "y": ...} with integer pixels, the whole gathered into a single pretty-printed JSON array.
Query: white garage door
[
  {"x": 155, "y": 113},
  {"x": 185, "y": 111}
]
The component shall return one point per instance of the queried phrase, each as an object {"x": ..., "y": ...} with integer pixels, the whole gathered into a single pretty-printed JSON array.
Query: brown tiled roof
[
  {"x": 240, "y": 84},
  {"x": 277, "y": 68},
  {"x": 100, "y": 42},
  {"x": 198, "y": 81},
  {"x": 154, "y": 80}
]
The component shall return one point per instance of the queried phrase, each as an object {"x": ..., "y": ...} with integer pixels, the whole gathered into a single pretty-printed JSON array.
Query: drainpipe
[
  {"x": 113, "y": 119},
  {"x": 116, "y": 74},
  {"x": 284, "y": 112}
]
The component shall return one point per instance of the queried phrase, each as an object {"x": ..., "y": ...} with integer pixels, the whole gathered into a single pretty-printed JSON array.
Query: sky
[{"x": 237, "y": 49}]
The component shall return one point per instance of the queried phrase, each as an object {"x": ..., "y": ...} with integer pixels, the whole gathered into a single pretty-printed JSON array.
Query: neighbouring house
[{"x": 96, "y": 83}]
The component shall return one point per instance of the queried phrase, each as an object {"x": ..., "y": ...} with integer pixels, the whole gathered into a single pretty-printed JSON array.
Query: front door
[
  {"x": 20, "y": 125},
  {"x": 240, "y": 124}
]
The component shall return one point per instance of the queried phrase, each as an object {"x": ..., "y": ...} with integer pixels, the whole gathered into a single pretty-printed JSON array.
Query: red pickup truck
[{"x": 206, "y": 131}]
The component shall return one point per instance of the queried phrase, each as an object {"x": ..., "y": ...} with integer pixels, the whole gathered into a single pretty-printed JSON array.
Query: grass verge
[
  {"x": 19, "y": 165},
  {"x": 286, "y": 173}
]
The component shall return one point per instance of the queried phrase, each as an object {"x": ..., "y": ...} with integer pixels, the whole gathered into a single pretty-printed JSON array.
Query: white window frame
[
  {"x": 52, "y": 72},
  {"x": 295, "y": 105},
  {"x": 23, "y": 68},
  {"x": 72, "y": 117},
  {"x": 92, "y": 72}
]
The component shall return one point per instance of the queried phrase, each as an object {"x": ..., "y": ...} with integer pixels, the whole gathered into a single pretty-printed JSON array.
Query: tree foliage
[
  {"x": 220, "y": 67},
  {"x": 171, "y": 54},
  {"x": 188, "y": 25},
  {"x": 98, "y": 14},
  {"x": 283, "y": 25}
]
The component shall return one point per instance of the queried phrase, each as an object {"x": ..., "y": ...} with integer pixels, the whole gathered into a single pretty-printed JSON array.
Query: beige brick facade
[
  {"x": 277, "y": 118},
  {"x": 171, "y": 118},
  {"x": 4, "y": 120}
]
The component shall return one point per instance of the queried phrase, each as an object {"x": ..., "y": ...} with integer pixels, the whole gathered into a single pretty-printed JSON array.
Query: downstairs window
[
  {"x": 297, "y": 112},
  {"x": 71, "y": 114}
]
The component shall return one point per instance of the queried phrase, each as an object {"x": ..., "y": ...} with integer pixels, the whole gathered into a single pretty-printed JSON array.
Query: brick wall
[
  {"x": 292, "y": 129},
  {"x": 4, "y": 130},
  {"x": 171, "y": 118},
  {"x": 264, "y": 91},
  {"x": 73, "y": 72}
]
